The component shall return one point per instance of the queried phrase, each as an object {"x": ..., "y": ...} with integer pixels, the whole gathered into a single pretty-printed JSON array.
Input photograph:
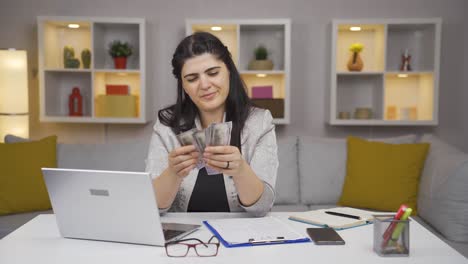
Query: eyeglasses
[{"x": 202, "y": 249}]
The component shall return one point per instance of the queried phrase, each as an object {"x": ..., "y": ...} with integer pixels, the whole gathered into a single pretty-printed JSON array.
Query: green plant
[
  {"x": 261, "y": 53},
  {"x": 120, "y": 49}
]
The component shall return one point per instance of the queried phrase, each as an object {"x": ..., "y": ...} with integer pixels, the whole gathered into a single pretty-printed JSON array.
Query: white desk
[{"x": 39, "y": 242}]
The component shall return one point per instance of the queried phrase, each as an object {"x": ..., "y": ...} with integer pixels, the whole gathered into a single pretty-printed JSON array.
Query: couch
[{"x": 310, "y": 176}]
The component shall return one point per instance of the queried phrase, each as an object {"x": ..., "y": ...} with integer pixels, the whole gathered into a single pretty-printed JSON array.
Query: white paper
[{"x": 241, "y": 230}]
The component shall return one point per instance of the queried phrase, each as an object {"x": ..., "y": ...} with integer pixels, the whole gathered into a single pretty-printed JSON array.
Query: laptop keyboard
[{"x": 169, "y": 234}]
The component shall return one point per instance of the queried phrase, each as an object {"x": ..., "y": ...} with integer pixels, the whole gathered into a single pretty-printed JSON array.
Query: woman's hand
[
  {"x": 182, "y": 160},
  {"x": 225, "y": 159}
]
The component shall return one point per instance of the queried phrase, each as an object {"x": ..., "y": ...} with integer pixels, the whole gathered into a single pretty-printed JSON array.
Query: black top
[{"x": 209, "y": 194}]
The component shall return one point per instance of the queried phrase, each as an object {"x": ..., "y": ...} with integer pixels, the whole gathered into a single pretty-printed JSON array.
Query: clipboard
[{"x": 225, "y": 225}]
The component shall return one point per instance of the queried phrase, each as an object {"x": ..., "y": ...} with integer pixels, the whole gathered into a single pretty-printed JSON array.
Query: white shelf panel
[
  {"x": 66, "y": 70},
  {"x": 377, "y": 122},
  {"x": 360, "y": 73},
  {"x": 262, "y": 72},
  {"x": 409, "y": 73},
  {"x": 116, "y": 71},
  {"x": 107, "y": 120}
]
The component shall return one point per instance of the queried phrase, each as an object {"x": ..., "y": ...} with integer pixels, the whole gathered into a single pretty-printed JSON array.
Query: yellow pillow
[
  {"x": 22, "y": 186},
  {"x": 382, "y": 176}
]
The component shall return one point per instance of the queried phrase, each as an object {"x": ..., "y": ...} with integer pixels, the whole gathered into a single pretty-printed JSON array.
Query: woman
[{"x": 210, "y": 90}]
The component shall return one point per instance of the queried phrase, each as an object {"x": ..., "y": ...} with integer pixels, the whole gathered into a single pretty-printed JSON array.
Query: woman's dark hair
[{"x": 180, "y": 116}]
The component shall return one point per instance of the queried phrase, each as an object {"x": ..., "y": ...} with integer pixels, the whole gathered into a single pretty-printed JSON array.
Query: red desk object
[{"x": 75, "y": 103}]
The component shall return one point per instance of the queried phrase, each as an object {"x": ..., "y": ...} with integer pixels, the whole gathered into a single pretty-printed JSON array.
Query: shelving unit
[
  {"x": 395, "y": 97},
  {"x": 242, "y": 36},
  {"x": 94, "y": 33}
]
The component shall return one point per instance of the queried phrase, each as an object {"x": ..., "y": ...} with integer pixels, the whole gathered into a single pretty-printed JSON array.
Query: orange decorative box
[{"x": 117, "y": 89}]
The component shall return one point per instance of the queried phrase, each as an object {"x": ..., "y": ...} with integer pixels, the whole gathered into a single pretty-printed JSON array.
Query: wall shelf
[
  {"x": 95, "y": 34},
  {"x": 242, "y": 36},
  {"x": 395, "y": 97}
]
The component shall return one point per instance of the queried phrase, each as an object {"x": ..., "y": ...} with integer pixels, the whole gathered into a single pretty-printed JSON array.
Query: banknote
[
  {"x": 199, "y": 142},
  {"x": 217, "y": 134},
  {"x": 186, "y": 138},
  {"x": 221, "y": 134}
]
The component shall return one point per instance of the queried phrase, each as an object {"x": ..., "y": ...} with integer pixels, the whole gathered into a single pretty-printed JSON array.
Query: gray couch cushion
[
  {"x": 289, "y": 208},
  {"x": 287, "y": 181},
  {"x": 461, "y": 247},
  {"x": 322, "y": 167},
  {"x": 127, "y": 156},
  {"x": 442, "y": 198}
]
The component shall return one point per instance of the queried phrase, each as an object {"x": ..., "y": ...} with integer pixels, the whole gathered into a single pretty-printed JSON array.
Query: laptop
[{"x": 112, "y": 206}]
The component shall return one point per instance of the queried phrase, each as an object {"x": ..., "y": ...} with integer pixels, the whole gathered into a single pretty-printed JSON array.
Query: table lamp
[{"x": 14, "y": 109}]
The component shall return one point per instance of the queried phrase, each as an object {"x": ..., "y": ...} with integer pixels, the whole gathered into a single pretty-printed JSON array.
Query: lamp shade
[{"x": 14, "y": 93}]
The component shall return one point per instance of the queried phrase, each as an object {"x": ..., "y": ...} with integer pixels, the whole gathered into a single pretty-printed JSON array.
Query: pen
[
  {"x": 343, "y": 215},
  {"x": 388, "y": 233},
  {"x": 265, "y": 241},
  {"x": 400, "y": 226}
]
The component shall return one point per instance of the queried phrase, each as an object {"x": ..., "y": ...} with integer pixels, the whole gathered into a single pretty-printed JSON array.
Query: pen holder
[{"x": 391, "y": 237}]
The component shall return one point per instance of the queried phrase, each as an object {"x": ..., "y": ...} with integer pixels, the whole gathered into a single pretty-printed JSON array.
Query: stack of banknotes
[{"x": 216, "y": 134}]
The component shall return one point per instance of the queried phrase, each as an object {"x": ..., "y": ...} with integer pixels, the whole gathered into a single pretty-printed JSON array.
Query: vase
[
  {"x": 355, "y": 62},
  {"x": 261, "y": 65},
  {"x": 120, "y": 62}
]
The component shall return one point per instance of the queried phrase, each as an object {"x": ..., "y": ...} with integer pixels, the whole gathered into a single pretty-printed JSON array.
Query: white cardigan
[{"x": 259, "y": 149}]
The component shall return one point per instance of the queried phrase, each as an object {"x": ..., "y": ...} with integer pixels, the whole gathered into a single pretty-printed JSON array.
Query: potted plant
[
  {"x": 120, "y": 51},
  {"x": 261, "y": 61},
  {"x": 355, "y": 63}
]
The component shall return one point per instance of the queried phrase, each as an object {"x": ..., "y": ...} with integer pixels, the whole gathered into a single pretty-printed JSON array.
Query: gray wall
[{"x": 310, "y": 56}]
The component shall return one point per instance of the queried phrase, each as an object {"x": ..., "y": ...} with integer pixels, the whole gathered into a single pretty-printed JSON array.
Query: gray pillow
[{"x": 443, "y": 196}]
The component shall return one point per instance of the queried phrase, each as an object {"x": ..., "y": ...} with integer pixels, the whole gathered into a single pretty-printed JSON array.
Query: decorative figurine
[
  {"x": 86, "y": 58},
  {"x": 68, "y": 53},
  {"x": 75, "y": 103},
  {"x": 405, "y": 61},
  {"x": 69, "y": 60}
]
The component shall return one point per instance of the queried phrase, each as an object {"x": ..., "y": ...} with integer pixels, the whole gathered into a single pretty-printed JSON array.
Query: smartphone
[{"x": 325, "y": 236}]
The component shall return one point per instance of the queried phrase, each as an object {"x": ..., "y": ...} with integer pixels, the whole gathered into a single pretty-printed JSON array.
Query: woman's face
[{"x": 206, "y": 80}]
